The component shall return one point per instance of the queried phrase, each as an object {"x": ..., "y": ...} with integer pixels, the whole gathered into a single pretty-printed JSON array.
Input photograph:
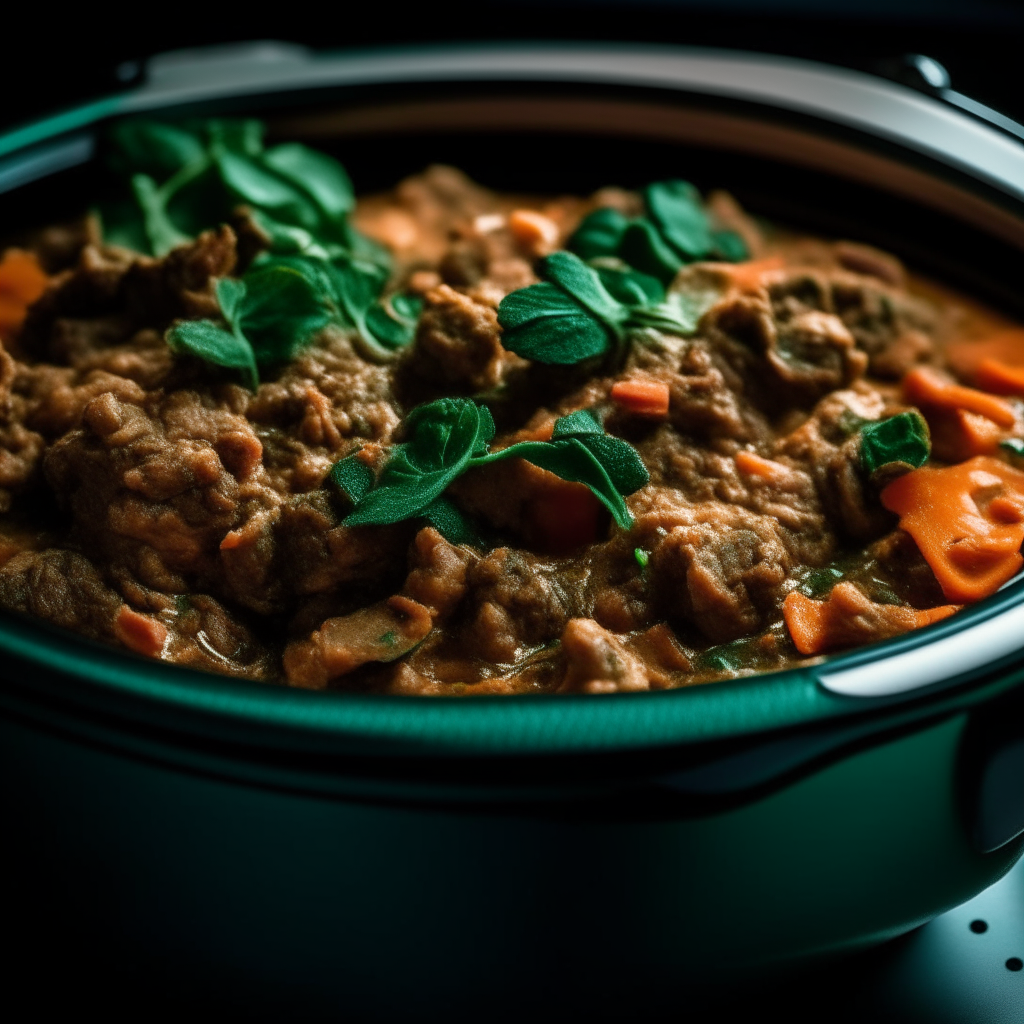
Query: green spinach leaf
[
  {"x": 197, "y": 173},
  {"x": 901, "y": 439},
  {"x": 214, "y": 344},
  {"x": 674, "y": 231},
  {"x": 443, "y": 437},
  {"x": 448, "y": 437},
  {"x": 270, "y": 314},
  {"x": 573, "y": 315}
]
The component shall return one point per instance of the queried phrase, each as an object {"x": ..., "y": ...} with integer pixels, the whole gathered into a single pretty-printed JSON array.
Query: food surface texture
[{"x": 445, "y": 441}]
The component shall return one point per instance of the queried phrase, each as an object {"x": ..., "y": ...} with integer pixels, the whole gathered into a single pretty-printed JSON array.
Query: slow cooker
[{"x": 280, "y": 851}]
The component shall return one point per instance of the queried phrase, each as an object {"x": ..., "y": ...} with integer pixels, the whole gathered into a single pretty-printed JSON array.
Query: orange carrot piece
[
  {"x": 958, "y": 435},
  {"x": 541, "y": 433},
  {"x": 746, "y": 276},
  {"x": 140, "y": 633},
  {"x": 565, "y": 516},
  {"x": 22, "y": 281},
  {"x": 1006, "y": 346},
  {"x": 848, "y": 618},
  {"x": 967, "y": 520},
  {"x": 534, "y": 230},
  {"x": 999, "y": 378},
  {"x": 751, "y": 464},
  {"x": 925, "y": 387},
  {"x": 643, "y": 397}
]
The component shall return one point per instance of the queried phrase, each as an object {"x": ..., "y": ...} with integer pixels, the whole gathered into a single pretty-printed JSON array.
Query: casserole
[{"x": 265, "y": 846}]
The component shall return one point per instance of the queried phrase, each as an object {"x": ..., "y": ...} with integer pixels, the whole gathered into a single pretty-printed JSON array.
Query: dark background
[{"x": 57, "y": 59}]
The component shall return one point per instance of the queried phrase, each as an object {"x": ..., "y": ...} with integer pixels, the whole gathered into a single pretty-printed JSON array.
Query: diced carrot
[
  {"x": 999, "y": 378},
  {"x": 962, "y": 519},
  {"x": 848, "y": 618},
  {"x": 22, "y": 281},
  {"x": 967, "y": 355},
  {"x": 925, "y": 387},
  {"x": 534, "y": 230},
  {"x": 643, "y": 397},
  {"x": 746, "y": 276},
  {"x": 565, "y": 516},
  {"x": 754, "y": 465},
  {"x": 958, "y": 435},
  {"x": 140, "y": 633},
  {"x": 541, "y": 433}
]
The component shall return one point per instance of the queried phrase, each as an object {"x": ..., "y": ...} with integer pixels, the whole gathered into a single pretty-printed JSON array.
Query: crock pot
[{"x": 285, "y": 851}]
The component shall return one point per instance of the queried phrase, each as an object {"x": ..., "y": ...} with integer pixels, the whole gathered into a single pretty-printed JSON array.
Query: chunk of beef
[
  {"x": 717, "y": 567},
  {"x": 894, "y": 329},
  {"x": 63, "y": 588},
  {"x": 827, "y": 446},
  {"x": 596, "y": 661},
  {"x": 458, "y": 343},
  {"x": 515, "y": 600},
  {"x": 148, "y": 487}
]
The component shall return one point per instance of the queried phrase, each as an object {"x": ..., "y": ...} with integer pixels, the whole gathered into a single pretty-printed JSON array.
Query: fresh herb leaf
[
  {"x": 149, "y": 147},
  {"x": 570, "y": 459},
  {"x": 642, "y": 557},
  {"x": 1013, "y": 445},
  {"x": 675, "y": 209},
  {"x": 901, "y": 440},
  {"x": 630, "y": 287},
  {"x": 620, "y": 459},
  {"x": 353, "y": 476},
  {"x": 542, "y": 323},
  {"x": 573, "y": 316},
  {"x": 250, "y": 182},
  {"x": 161, "y": 232},
  {"x": 644, "y": 247},
  {"x": 271, "y": 313},
  {"x": 446, "y": 518},
  {"x": 676, "y": 230},
  {"x": 452, "y": 435},
  {"x": 280, "y": 313},
  {"x": 599, "y": 234},
  {"x": 730, "y": 246},
  {"x": 200, "y": 171},
  {"x": 207, "y": 341},
  {"x": 443, "y": 437},
  {"x": 355, "y": 291},
  {"x": 322, "y": 178}
]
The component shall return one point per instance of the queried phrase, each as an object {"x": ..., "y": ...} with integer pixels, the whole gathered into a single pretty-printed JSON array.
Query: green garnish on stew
[
  {"x": 318, "y": 270},
  {"x": 579, "y": 312},
  {"x": 450, "y": 436},
  {"x": 188, "y": 177},
  {"x": 675, "y": 231},
  {"x": 281, "y": 303},
  {"x": 901, "y": 440}
]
